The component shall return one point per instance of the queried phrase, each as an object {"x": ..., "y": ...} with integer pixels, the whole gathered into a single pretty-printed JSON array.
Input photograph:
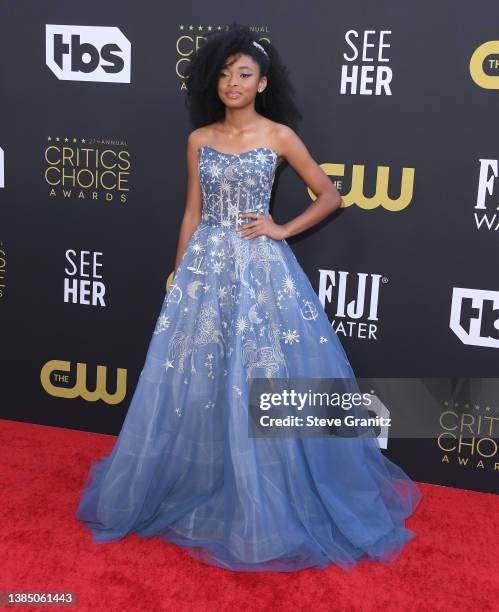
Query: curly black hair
[{"x": 202, "y": 100}]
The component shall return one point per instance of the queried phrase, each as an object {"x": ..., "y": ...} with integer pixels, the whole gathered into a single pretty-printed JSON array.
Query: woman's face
[{"x": 239, "y": 80}]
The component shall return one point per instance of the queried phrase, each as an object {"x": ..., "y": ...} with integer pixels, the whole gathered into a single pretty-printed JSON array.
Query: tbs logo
[{"x": 88, "y": 53}]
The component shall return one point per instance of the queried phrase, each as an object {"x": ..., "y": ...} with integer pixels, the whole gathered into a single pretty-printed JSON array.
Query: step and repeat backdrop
[{"x": 399, "y": 104}]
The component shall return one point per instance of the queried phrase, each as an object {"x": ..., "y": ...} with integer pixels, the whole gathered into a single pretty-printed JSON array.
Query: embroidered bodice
[{"x": 233, "y": 183}]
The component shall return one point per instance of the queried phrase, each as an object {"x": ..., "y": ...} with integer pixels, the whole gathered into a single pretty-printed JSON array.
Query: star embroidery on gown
[
  {"x": 162, "y": 324},
  {"x": 291, "y": 336},
  {"x": 288, "y": 285},
  {"x": 168, "y": 364},
  {"x": 262, "y": 296},
  {"x": 215, "y": 170},
  {"x": 261, "y": 157},
  {"x": 222, "y": 292},
  {"x": 241, "y": 325},
  {"x": 249, "y": 181}
]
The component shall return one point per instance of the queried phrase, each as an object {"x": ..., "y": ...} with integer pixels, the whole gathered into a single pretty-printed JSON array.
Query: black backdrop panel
[{"x": 92, "y": 186}]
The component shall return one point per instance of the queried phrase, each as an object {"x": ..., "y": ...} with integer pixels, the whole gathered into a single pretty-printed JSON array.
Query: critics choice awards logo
[
  {"x": 93, "y": 169},
  {"x": 468, "y": 435}
]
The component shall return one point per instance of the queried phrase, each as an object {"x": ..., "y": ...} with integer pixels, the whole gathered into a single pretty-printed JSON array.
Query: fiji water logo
[
  {"x": 88, "y": 53},
  {"x": 353, "y": 300},
  {"x": 484, "y": 217},
  {"x": 474, "y": 316}
]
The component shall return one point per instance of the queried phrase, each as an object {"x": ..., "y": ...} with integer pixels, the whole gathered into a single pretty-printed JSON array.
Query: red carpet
[{"x": 451, "y": 565}]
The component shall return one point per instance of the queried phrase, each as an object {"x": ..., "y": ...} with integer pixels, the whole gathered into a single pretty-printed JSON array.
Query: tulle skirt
[{"x": 184, "y": 467}]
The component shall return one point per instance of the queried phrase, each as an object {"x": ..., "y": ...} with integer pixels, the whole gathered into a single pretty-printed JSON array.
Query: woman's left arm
[{"x": 328, "y": 197}]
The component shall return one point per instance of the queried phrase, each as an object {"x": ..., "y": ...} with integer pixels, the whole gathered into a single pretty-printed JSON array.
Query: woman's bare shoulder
[
  {"x": 281, "y": 136},
  {"x": 201, "y": 135}
]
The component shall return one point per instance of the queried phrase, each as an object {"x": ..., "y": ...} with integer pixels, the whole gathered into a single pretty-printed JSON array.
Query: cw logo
[
  {"x": 79, "y": 389},
  {"x": 169, "y": 281},
  {"x": 380, "y": 198},
  {"x": 485, "y": 52}
]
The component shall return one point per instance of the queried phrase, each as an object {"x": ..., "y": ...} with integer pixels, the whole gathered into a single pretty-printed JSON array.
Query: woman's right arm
[{"x": 194, "y": 198}]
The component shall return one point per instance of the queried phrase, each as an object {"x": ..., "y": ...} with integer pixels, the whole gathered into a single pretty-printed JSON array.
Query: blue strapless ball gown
[{"x": 183, "y": 466}]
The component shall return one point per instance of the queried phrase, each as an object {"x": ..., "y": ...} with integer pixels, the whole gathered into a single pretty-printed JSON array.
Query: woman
[{"x": 240, "y": 307}]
